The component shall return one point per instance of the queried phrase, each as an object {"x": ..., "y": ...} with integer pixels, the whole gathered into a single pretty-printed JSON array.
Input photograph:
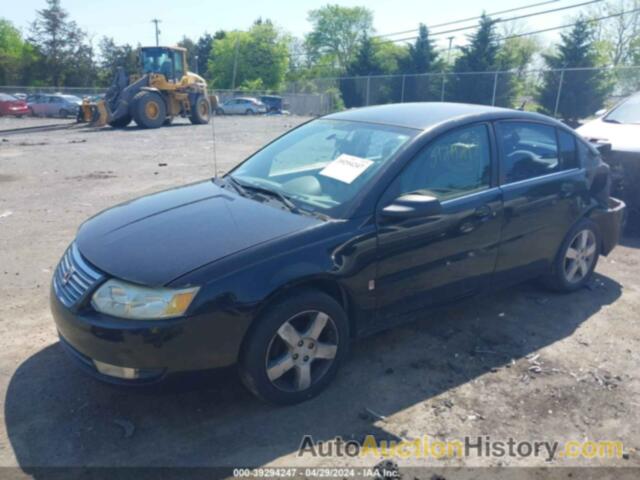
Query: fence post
[
  {"x": 555, "y": 110},
  {"x": 444, "y": 81},
  {"x": 495, "y": 89},
  {"x": 368, "y": 87},
  {"x": 402, "y": 91}
]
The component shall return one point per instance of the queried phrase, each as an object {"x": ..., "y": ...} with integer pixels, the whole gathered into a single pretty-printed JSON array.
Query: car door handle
[{"x": 484, "y": 212}]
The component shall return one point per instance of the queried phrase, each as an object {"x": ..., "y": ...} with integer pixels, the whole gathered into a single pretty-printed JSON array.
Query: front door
[{"x": 427, "y": 261}]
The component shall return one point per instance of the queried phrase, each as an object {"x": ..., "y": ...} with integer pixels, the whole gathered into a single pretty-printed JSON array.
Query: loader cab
[{"x": 170, "y": 62}]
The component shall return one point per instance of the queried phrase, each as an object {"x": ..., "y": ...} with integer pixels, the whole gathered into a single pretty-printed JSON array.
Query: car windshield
[
  {"x": 323, "y": 164},
  {"x": 72, "y": 98},
  {"x": 627, "y": 112}
]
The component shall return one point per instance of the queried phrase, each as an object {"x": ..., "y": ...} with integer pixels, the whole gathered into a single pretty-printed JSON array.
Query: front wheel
[
  {"x": 249, "y": 112},
  {"x": 577, "y": 258},
  {"x": 63, "y": 113},
  {"x": 149, "y": 109},
  {"x": 295, "y": 349}
]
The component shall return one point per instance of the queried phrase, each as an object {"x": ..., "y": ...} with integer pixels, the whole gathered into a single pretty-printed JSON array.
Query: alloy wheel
[
  {"x": 302, "y": 351},
  {"x": 580, "y": 256}
]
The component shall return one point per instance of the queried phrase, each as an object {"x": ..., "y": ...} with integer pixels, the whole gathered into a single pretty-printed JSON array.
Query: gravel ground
[{"x": 523, "y": 363}]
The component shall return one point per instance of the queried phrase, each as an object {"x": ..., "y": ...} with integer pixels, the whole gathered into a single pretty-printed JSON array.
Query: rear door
[
  {"x": 542, "y": 188},
  {"x": 428, "y": 261}
]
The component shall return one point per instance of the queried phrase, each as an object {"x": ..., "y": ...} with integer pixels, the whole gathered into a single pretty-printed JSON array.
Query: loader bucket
[{"x": 94, "y": 113}]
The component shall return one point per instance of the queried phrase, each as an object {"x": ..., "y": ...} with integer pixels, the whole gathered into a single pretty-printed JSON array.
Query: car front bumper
[{"x": 132, "y": 351}]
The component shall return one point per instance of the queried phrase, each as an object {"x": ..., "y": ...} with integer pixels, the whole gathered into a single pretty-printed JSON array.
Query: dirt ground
[{"x": 524, "y": 363}]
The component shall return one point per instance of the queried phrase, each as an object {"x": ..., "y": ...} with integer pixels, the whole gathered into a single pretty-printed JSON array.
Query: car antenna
[{"x": 215, "y": 156}]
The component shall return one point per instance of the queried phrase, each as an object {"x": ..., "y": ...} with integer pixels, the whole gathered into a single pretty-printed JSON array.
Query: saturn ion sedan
[{"x": 344, "y": 226}]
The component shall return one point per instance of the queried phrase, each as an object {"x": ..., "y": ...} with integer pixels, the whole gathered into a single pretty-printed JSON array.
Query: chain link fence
[{"x": 550, "y": 91}]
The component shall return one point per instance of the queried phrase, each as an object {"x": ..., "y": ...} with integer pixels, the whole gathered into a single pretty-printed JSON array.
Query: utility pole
[
  {"x": 156, "y": 22},
  {"x": 444, "y": 76},
  {"x": 235, "y": 63}
]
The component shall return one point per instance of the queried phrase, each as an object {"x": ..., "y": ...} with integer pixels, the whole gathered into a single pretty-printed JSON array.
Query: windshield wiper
[
  {"x": 243, "y": 187},
  {"x": 237, "y": 185}
]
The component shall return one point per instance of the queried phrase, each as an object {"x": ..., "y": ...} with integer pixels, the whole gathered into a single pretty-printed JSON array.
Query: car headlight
[{"x": 126, "y": 300}]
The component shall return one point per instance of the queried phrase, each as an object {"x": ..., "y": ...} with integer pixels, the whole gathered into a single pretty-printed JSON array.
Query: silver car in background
[
  {"x": 242, "y": 106},
  {"x": 57, "y": 105}
]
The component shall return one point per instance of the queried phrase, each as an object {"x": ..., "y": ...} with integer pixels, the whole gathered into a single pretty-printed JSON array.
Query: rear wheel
[
  {"x": 121, "y": 122},
  {"x": 63, "y": 113},
  {"x": 249, "y": 112},
  {"x": 577, "y": 258},
  {"x": 295, "y": 349},
  {"x": 149, "y": 110},
  {"x": 200, "y": 111}
]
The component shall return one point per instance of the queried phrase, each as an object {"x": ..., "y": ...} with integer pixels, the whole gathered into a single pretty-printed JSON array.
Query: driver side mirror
[{"x": 413, "y": 205}]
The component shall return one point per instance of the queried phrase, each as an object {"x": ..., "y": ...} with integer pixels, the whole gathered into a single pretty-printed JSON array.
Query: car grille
[{"x": 74, "y": 277}]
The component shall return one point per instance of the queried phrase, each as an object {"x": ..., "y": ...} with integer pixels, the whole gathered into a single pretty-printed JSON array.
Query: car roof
[{"x": 425, "y": 115}]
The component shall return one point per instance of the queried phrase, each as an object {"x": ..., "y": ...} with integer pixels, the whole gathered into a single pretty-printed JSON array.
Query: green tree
[
  {"x": 422, "y": 55},
  {"x": 114, "y": 56},
  {"x": 59, "y": 40},
  {"x": 479, "y": 55},
  {"x": 336, "y": 33},
  {"x": 204, "y": 47},
  {"x": 12, "y": 52},
  {"x": 516, "y": 55},
  {"x": 261, "y": 53},
  {"x": 583, "y": 91}
]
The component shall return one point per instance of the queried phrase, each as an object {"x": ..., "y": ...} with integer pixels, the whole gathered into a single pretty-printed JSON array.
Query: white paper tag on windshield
[{"x": 346, "y": 168}]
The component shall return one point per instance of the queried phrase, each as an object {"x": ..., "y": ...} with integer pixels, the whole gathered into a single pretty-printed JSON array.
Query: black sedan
[{"x": 342, "y": 227}]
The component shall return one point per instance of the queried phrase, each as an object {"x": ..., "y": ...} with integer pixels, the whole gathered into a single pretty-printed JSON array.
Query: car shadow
[{"x": 57, "y": 416}]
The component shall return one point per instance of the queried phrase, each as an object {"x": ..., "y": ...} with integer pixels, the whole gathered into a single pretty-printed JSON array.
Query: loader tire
[
  {"x": 200, "y": 111},
  {"x": 121, "y": 122},
  {"x": 149, "y": 110}
]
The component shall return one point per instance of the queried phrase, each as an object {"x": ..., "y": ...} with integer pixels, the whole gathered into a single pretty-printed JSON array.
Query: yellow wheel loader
[{"x": 163, "y": 90}]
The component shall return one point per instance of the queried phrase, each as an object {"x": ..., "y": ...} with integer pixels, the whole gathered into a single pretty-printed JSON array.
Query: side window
[
  {"x": 455, "y": 164},
  {"x": 179, "y": 68},
  {"x": 568, "y": 153},
  {"x": 529, "y": 150}
]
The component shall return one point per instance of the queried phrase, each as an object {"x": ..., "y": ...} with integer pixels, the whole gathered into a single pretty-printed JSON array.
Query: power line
[
  {"x": 499, "y": 20},
  {"x": 469, "y": 19},
  {"x": 559, "y": 27}
]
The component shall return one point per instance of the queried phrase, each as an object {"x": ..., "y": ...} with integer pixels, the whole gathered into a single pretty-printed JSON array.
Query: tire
[
  {"x": 149, "y": 110},
  {"x": 63, "y": 113},
  {"x": 287, "y": 372},
  {"x": 576, "y": 259},
  {"x": 121, "y": 122},
  {"x": 200, "y": 111},
  {"x": 248, "y": 112}
]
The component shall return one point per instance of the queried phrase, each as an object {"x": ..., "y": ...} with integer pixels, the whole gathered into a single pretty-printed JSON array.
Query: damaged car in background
[
  {"x": 344, "y": 226},
  {"x": 617, "y": 133}
]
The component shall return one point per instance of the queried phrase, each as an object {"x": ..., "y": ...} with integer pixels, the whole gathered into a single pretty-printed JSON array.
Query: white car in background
[{"x": 620, "y": 127}]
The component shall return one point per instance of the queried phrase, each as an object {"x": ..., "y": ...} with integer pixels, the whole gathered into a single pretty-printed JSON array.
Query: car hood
[
  {"x": 158, "y": 238},
  {"x": 623, "y": 138}
]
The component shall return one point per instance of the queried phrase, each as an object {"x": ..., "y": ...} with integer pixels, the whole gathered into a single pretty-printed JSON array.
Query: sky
[{"x": 129, "y": 21}]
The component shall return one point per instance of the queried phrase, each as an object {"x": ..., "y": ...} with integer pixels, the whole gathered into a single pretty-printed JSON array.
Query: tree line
[{"x": 342, "y": 43}]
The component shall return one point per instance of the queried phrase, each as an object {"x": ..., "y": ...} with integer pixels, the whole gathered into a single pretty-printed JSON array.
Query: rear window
[{"x": 6, "y": 98}]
